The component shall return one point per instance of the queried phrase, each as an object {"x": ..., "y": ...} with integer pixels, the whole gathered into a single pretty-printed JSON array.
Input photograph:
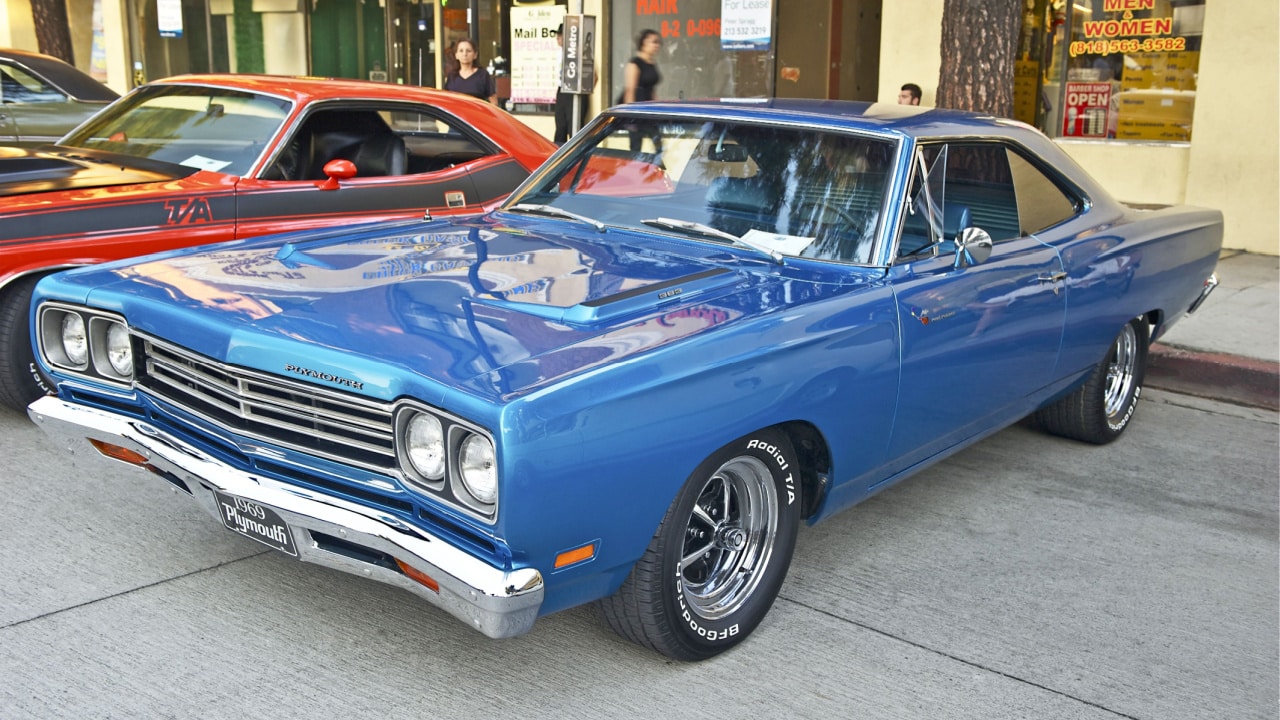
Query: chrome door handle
[{"x": 1056, "y": 277}]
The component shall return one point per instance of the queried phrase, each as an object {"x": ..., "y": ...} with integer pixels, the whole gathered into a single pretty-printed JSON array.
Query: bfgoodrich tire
[
  {"x": 1100, "y": 410},
  {"x": 717, "y": 561},
  {"x": 20, "y": 381}
]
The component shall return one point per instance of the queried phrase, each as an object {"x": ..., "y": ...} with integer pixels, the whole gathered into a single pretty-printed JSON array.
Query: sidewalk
[{"x": 1230, "y": 348}]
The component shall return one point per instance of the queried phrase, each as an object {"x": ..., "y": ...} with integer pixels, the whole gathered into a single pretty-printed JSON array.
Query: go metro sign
[{"x": 578, "y": 66}]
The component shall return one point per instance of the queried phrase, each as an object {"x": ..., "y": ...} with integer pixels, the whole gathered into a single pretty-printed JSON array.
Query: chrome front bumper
[{"x": 498, "y": 603}]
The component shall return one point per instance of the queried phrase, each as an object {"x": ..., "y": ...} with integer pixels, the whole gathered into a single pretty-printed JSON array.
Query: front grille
[{"x": 337, "y": 426}]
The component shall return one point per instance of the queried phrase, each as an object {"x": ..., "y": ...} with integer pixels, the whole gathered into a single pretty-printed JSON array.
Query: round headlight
[
  {"x": 119, "y": 350},
  {"x": 424, "y": 445},
  {"x": 75, "y": 343},
  {"x": 479, "y": 468}
]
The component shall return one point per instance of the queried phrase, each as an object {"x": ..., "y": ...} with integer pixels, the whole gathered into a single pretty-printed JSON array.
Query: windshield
[
  {"x": 207, "y": 128},
  {"x": 790, "y": 191}
]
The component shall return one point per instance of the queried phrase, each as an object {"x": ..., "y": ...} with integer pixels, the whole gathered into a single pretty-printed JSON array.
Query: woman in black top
[
  {"x": 641, "y": 78},
  {"x": 470, "y": 78}
]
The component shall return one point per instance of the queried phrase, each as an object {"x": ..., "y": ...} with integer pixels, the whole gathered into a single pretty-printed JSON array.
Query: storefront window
[
  {"x": 1098, "y": 69},
  {"x": 695, "y": 61}
]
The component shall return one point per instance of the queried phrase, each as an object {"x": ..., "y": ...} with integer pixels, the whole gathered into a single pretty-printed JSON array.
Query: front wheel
[
  {"x": 1100, "y": 410},
  {"x": 21, "y": 381},
  {"x": 717, "y": 561}
]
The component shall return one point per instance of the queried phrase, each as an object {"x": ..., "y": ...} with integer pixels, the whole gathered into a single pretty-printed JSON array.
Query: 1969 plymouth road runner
[
  {"x": 196, "y": 159},
  {"x": 695, "y": 328}
]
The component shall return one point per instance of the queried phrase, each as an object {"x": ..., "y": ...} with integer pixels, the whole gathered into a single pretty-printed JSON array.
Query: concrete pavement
[{"x": 1230, "y": 348}]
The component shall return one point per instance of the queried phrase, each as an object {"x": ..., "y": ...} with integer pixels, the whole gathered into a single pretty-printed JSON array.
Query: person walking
[
  {"x": 640, "y": 82},
  {"x": 469, "y": 78},
  {"x": 641, "y": 77}
]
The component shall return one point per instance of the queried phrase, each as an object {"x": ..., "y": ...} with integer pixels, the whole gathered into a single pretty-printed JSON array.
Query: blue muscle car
[{"x": 696, "y": 327}]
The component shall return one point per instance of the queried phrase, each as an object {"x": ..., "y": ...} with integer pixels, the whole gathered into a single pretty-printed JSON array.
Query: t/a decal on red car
[{"x": 188, "y": 211}]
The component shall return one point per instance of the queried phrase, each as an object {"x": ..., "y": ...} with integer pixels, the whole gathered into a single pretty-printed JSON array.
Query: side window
[
  {"x": 954, "y": 186},
  {"x": 19, "y": 86},
  {"x": 432, "y": 143},
  {"x": 978, "y": 178},
  {"x": 381, "y": 142},
  {"x": 1041, "y": 203}
]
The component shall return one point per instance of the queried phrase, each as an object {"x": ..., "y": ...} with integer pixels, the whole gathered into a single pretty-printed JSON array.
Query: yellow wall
[
  {"x": 17, "y": 29},
  {"x": 1235, "y": 141},
  {"x": 1233, "y": 161}
]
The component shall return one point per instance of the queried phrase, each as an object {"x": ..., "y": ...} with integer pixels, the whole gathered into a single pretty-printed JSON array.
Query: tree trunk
[
  {"x": 53, "y": 33},
  {"x": 979, "y": 46}
]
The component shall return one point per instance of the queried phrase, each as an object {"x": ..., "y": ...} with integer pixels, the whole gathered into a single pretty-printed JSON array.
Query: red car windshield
[{"x": 202, "y": 127}]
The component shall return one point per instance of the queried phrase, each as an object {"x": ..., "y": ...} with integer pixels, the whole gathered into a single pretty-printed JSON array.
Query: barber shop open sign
[{"x": 1085, "y": 111}]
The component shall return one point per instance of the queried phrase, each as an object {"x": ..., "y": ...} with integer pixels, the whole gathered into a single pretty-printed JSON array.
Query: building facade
[{"x": 1164, "y": 101}]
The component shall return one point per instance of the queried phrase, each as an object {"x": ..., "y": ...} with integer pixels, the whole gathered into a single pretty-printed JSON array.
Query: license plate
[{"x": 255, "y": 521}]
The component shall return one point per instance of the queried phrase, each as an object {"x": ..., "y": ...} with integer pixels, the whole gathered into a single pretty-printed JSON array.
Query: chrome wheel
[
  {"x": 720, "y": 554},
  {"x": 729, "y": 538},
  {"x": 1121, "y": 369}
]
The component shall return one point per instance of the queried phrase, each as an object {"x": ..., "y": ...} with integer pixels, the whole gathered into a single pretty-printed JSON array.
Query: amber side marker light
[
  {"x": 119, "y": 453},
  {"x": 419, "y": 576},
  {"x": 569, "y": 557}
]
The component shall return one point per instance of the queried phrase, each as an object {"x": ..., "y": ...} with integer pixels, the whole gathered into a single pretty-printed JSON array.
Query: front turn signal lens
[
  {"x": 418, "y": 576},
  {"x": 119, "y": 453},
  {"x": 576, "y": 555}
]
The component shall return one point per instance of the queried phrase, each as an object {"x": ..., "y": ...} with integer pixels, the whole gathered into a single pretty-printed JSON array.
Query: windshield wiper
[
  {"x": 708, "y": 231},
  {"x": 551, "y": 210}
]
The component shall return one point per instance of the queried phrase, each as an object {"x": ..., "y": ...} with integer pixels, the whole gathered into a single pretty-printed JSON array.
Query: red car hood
[{"x": 54, "y": 167}]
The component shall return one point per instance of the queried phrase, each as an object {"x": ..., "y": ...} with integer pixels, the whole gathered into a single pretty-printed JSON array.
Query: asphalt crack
[{"x": 956, "y": 658}]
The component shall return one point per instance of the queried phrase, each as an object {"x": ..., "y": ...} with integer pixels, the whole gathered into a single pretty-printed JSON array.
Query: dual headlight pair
[
  {"x": 445, "y": 455},
  {"x": 87, "y": 343}
]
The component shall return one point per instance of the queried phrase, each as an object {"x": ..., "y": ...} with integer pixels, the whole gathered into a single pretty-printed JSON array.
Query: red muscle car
[{"x": 205, "y": 158}]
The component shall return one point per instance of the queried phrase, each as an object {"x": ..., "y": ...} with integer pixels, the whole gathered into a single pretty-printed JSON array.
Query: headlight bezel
[
  {"x": 97, "y": 328},
  {"x": 449, "y": 487}
]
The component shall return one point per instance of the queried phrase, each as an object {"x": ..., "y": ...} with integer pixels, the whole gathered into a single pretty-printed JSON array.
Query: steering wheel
[{"x": 822, "y": 205}]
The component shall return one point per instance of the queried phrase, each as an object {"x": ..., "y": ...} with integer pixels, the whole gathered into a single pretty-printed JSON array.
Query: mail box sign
[{"x": 578, "y": 66}]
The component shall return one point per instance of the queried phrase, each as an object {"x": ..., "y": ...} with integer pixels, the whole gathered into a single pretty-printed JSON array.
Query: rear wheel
[
  {"x": 1100, "y": 410},
  {"x": 717, "y": 561},
  {"x": 20, "y": 381}
]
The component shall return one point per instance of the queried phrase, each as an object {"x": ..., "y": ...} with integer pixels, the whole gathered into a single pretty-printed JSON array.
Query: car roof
[
  {"x": 306, "y": 89},
  {"x": 905, "y": 120},
  {"x": 64, "y": 76}
]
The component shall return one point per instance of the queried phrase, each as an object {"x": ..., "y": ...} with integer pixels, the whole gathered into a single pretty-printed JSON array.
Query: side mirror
[
  {"x": 973, "y": 247},
  {"x": 337, "y": 170}
]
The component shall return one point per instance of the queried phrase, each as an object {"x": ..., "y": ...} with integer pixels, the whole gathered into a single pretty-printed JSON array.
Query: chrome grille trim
[{"x": 337, "y": 426}]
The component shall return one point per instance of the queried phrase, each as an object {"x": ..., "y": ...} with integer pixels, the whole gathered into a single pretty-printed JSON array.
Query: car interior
[{"x": 411, "y": 143}]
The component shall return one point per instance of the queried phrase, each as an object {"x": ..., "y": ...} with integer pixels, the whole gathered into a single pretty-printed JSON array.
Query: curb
[{"x": 1218, "y": 376}]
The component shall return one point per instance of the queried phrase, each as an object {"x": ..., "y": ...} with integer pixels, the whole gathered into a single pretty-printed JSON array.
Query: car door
[
  {"x": 408, "y": 159},
  {"x": 977, "y": 339}
]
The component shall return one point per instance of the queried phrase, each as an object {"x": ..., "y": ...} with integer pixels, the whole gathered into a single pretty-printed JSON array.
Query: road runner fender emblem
[{"x": 317, "y": 375}]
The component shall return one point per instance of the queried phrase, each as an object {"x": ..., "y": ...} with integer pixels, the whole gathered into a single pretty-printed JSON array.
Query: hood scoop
[{"x": 634, "y": 301}]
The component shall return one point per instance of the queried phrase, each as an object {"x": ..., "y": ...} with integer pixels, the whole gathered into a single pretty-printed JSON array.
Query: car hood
[
  {"x": 495, "y": 305},
  {"x": 54, "y": 167}
]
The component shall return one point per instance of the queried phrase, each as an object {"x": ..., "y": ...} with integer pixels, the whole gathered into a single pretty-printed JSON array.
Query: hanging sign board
[
  {"x": 577, "y": 59},
  {"x": 746, "y": 24},
  {"x": 169, "y": 18}
]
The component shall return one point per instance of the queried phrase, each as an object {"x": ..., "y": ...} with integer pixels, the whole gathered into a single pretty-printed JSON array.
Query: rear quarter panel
[{"x": 1135, "y": 262}]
